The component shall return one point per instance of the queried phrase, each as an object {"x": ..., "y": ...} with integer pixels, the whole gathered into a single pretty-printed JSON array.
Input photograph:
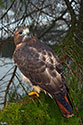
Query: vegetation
[
  {"x": 60, "y": 24},
  {"x": 35, "y": 111}
]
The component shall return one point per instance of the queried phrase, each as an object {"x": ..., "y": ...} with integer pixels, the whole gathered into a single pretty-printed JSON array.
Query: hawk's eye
[{"x": 20, "y": 32}]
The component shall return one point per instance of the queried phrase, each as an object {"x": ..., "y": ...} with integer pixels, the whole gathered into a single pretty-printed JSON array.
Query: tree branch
[
  {"x": 7, "y": 10},
  {"x": 73, "y": 16},
  {"x": 52, "y": 25},
  {"x": 5, "y": 98}
]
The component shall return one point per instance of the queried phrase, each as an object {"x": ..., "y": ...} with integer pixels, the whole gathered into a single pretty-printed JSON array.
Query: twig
[
  {"x": 6, "y": 73},
  {"x": 21, "y": 84},
  {"x": 7, "y": 10},
  {"x": 5, "y": 98},
  {"x": 52, "y": 25},
  {"x": 73, "y": 71}
]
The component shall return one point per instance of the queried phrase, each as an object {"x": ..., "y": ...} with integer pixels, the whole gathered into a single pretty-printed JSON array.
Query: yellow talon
[{"x": 33, "y": 93}]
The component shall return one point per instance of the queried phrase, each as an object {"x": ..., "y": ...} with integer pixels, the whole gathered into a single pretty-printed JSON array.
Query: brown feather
[{"x": 39, "y": 63}]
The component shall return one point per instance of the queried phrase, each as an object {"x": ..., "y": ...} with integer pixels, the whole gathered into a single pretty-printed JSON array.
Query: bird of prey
[{"x": 41, "y": 66}]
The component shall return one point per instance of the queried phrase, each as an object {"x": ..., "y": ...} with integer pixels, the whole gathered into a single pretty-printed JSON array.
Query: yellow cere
[{"x": 26, "y": 31}]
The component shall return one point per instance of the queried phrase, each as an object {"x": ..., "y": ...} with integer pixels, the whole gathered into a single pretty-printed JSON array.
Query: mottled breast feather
[{"x": 38, "y": 62}]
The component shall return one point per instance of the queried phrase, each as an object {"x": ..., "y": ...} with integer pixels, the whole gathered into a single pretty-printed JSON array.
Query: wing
[{"x": 42, "y": 67}]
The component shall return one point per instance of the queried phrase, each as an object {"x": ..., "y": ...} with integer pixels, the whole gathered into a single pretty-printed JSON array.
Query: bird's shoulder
[{"x": 36, "y": 52}]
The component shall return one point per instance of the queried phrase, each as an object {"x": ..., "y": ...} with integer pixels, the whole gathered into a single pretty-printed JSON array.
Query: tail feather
[
  {"x": 65, "y": 106},
  {"x": 66, "y": 99}
]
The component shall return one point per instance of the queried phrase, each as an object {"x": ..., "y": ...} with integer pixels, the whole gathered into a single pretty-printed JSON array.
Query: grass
[{"x": 35, "y": 111}]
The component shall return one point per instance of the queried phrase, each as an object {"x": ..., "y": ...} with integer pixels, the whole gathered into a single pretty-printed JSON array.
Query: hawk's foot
[{"x": 33, "y": 93}]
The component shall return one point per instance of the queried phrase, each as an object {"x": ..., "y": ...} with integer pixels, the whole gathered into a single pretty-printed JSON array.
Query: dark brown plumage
[{"x": 39, "y": 63}]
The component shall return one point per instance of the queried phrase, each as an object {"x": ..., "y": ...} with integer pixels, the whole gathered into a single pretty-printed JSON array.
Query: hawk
[{"x": 41, "y": 66}]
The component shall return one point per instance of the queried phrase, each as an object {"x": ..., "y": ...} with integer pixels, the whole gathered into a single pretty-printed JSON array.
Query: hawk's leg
[{"x": 36, "y": 91}]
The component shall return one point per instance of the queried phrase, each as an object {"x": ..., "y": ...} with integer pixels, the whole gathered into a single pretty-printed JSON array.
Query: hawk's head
[{"x": 21, "y": 35}]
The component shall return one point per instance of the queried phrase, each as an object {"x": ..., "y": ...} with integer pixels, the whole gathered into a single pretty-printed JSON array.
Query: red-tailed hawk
[{"x": 41, "y": 66}]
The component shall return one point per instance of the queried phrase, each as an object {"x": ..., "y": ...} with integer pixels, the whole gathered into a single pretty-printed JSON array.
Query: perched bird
[{"x": 41, "y": 66}]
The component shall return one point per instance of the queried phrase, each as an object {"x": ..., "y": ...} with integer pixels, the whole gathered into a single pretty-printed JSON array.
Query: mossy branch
[{"x": 34, "y": 110}]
